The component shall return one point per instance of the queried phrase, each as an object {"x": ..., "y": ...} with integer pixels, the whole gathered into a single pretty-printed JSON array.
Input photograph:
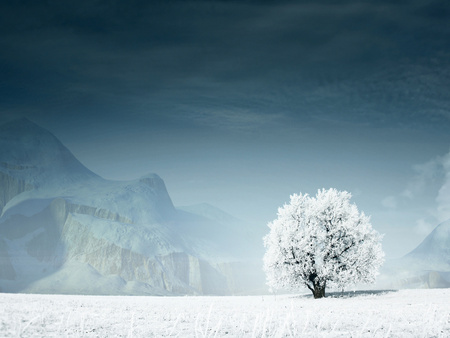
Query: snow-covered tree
[{"x": 321, "y": 241}]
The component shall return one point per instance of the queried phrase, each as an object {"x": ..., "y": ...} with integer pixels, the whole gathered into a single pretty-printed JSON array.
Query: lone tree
[{"x": 321, "y": 241}]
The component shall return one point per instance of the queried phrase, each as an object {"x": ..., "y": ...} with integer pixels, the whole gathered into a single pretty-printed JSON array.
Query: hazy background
[{"x": 242, "y": 103}]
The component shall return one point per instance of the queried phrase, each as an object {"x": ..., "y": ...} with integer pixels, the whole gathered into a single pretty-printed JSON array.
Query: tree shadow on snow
[{"x": 351, "y": 294}]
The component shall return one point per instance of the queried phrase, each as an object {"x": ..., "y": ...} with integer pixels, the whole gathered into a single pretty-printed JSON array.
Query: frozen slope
[{"x": 62, "y": 223}]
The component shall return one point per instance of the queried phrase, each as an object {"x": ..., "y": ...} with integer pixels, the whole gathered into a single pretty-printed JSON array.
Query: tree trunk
[
  {"x": 318, "y": 288},
  {"x": 319, "y": 291}
]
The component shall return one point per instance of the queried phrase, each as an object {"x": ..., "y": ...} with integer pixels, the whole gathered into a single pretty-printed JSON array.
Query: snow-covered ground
[{"x": 406, "y": 313}]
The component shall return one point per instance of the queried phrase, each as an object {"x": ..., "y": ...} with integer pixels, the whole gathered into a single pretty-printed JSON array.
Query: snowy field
[{"x": 406, "y": 313}]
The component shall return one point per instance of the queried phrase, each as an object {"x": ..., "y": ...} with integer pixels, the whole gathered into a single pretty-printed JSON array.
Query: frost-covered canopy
[{"x": 322, "y": 240}]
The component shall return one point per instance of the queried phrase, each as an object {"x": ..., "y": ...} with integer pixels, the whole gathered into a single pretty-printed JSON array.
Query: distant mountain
[
  {"x": 64, "y": 229},
  {"x": 434, "y": 251},
  {"x": 427, "y": 266}
]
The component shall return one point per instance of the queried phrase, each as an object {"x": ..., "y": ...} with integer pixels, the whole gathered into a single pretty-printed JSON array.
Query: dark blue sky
[{"x": 241, "y": 103}]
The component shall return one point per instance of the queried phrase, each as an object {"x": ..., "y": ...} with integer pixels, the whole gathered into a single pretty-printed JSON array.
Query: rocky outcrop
[
  {"x": 6, "y": 268},
  {"x": 177, "y": 272},
  {"x": 60, "y": 237},
  {"x": 10, "y": 187},
  {"x": 60, "y": 209},
  {"x": 51, "y": 221}
]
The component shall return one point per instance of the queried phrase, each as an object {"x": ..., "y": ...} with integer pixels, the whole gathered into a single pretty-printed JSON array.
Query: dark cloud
[{"x": 361, "y": 61}]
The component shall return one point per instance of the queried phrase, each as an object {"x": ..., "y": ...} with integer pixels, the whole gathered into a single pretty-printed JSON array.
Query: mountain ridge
[{"x": 25, "y": 146}]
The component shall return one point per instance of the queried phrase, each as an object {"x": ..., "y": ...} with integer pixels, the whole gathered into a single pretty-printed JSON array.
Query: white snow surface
[{"x": 405, "y": 313}]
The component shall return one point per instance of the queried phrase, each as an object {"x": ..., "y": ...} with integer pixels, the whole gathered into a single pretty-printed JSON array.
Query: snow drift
[{"x": 64, "y": 229}]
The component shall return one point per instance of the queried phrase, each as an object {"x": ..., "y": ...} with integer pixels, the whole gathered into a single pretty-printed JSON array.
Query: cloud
[
  {"x": 432, "y": 182},
  {"x": 425, "y": 174},
  {"x": 423, "y": 227},
  {"x": 234, "y": 119},
  {"x": 390, "y": 202},
  {"x": 312, "y": 58}
]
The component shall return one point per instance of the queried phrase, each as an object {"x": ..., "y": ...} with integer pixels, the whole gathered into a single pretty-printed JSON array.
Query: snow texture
[{"x": 406, "y": 313}]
